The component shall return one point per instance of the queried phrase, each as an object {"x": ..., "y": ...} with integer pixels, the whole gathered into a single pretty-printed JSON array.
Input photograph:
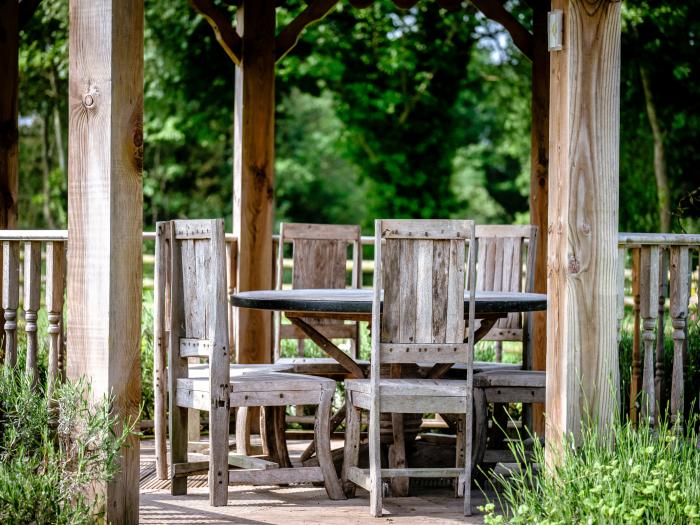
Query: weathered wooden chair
[
  {"x": 506, "y": 263},
  {"x": 420, "y": 267},
  {"x": 319, "y": 259},
  {"x": 197, "y": 327}
]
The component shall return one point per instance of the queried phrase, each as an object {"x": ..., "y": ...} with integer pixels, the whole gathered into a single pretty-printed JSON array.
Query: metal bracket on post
[{"x": 555, "y": 25}]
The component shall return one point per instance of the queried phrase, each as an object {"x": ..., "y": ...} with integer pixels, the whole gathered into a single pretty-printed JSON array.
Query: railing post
[
  {"x": 10, "y": 299},
  {"x": 32, "y": 295},
  {"x": 55, "y": 291},
  {"x": 660, "y": 335},
  {"x": 679, "y": 294},
  {"x": 649, "y": 301},
  {"x": 160, "y": 379},
  {"x": 635, "y": 379}
]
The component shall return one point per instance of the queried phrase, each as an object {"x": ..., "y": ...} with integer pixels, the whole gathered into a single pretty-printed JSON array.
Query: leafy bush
[
  {"x": 643, "y": 477},
  {"x": 50, "y": 458}
]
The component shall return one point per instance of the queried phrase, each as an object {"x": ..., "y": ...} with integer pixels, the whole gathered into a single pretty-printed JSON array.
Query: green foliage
[
  {"x": 644, "y": 476},
  {"x": 147, "y": 342},
  {"x": 47, "y": 467}
]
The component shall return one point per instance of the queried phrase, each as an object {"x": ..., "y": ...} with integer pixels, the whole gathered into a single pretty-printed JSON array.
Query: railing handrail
[{"x": 627, "y": 239}]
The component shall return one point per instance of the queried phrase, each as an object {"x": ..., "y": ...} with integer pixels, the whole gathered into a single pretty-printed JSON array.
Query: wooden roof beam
[
  {"x": 495, "y": 10},
  {"x": 223, "y": 29},
  {"x": 289, "y": 36}
]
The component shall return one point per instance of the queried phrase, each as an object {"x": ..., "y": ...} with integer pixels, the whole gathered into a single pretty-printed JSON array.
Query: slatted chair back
[
  {"x": 506, "y": 263},
  {"x": 319, "y": 260},
  {"x": 422, "y": 273},
  {"x": 196, "y": 292}
]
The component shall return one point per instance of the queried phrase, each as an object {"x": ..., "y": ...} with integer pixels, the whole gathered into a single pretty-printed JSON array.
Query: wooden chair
[
  {"x": 506, "y": 263},
  {"x": 420, "y": 267},
  {"x": 197, "y": 327},
  {"x": 319, "y": 259}
]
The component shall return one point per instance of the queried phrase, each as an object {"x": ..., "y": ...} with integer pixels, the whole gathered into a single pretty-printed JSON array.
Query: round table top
[{"x": 359, "y": 301}]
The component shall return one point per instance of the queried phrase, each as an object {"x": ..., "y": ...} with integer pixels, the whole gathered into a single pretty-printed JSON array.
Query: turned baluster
[
  {"x": 659, "y": 371},
  {"x": 10, "y": 298},
  {"x": 649, "y": 308},
  {"x": 55, "y": 288},
  {"x": 635, "y": 382},
  {"x": 32, "y": 295},
  {"x": 679, "y": 294}
]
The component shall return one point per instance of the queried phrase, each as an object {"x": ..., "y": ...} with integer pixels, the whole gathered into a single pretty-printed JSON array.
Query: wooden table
[{"x": 356, "y": 305}]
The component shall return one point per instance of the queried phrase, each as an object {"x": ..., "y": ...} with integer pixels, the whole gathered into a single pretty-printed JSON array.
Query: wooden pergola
[{"x": 573, "y": 201}]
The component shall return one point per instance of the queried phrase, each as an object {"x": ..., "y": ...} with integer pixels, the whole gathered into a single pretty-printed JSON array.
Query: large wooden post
[
  {"x": 254, "y": 155},
  {"x": 582, "y": 361},
  {"x": 539, "y": 186},
  {"x": 105, "y": 207},
  {"x": 9, "y": 135}
]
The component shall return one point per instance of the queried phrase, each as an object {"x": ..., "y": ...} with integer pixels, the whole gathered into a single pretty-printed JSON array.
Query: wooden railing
[
  {"x": 22, "y": 254},
  {"x": 661, "y": 269}
]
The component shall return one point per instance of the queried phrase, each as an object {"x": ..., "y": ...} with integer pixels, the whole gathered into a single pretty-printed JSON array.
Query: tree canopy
[{"x": 380, "y": 112}]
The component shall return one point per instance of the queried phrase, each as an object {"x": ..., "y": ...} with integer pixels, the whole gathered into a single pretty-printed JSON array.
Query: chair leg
[
  {"x": 460, "y": 445},
  {"x": 397, "y": 456},
  {"x": 322, "y": 434},
  {"x": 480, "y": 424},
  {"x": 242, "y": 431},
  {"x": 351, "y": 456},
  {"x": 178, "y": 447},
  {"x": 375, "y": 464},
  {"x": 468, "y": 420},
  {"x": 279, "y": 430},
  {"x": 218, "y": 455}
]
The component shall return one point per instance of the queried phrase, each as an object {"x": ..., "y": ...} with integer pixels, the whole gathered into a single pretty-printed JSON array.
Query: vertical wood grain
[
  {"x": 636, "y": 374},
  {"x": 105, "y": 203},
  {"x": 9, "y": 132},
  {"x": 649, "y": 300},
  {"x": 160, "y": 370},
  {"x": 582, "y": 360},
  {"x": 253, "y": 187}
]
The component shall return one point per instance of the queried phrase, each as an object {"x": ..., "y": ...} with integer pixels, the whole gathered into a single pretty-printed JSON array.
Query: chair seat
[
  {"x": 256, "y": 389},
  {"x": 412, "y": 396},
  {"x": 510, "y": 379},
  {"x": 202, "y": 369},
  {"x": 322, "y": 366}
]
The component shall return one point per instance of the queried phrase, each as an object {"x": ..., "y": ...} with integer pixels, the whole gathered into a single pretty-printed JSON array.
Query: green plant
[
  {"x": 51, "y": 458},
  {"x": 147, "y": 342},
  {"x": 640, "y": 476}
]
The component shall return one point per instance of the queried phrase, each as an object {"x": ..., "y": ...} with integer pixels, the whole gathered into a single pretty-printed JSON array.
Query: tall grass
[{"x": 643, "y": 476}]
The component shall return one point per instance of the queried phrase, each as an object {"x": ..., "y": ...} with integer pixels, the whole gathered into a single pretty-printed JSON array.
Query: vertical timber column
[
  {"x": 105, "y": 206},
  {"x": 254, "y": 156},
  {"x": 9, "y": 134},
  {"x": 582, "y": 361},
  {"x": 539, "y": 187}
]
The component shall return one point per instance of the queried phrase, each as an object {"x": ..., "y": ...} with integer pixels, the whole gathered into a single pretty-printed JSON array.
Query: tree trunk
[{"x": 662, "y": 189}]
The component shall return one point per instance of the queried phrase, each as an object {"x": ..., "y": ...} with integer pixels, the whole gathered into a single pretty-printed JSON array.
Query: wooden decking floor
[{"x": 296, "y": 505}]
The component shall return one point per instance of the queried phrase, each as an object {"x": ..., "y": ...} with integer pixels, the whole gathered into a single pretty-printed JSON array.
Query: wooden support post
[
  {"x": 660, "y": 336},
  {"x": 55, "y": 292},
  {"x": 582, "y": 359},
  {"x": 105, "y": 205},
  {"x": 636, "y": 374},
  {"x": 253, "y": 178},
  {"x": 9, "y": 134},
  {"x": 649, "y": 300},
  {"x": 539, "y": 186},
  {"x": 32, "y": 296}
]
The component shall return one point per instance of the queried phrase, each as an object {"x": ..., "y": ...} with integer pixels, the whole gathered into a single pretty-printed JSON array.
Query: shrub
[
  {"x": 49, "y": 465},
  {"x": 643, "y": 477}
]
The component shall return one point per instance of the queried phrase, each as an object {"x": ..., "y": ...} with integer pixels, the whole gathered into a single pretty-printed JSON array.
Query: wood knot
[
  {"x": 88, "y": 101},
  {"x": 586, "y": 228},
  {"x": 574, "y": 264}
]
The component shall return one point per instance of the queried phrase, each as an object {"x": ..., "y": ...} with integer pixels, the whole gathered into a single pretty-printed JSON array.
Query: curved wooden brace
[
  {"x": 288, "y": 37},
  {"x": 494, "y": 10},
  {"x": 218, "y": 19}
]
